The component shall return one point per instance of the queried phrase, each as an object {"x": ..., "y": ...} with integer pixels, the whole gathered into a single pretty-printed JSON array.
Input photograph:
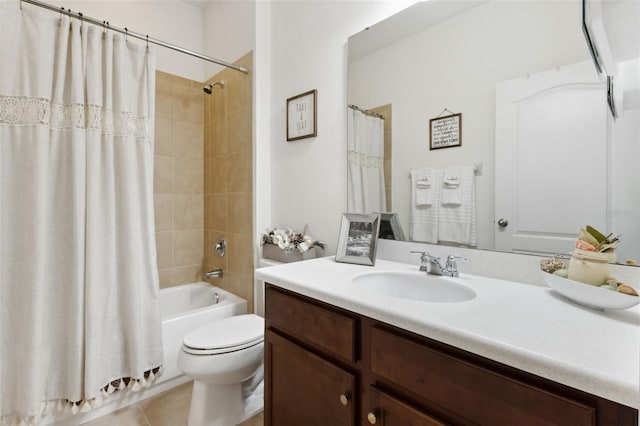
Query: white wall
[
  {"x": 172, "y": 21},
  {"x": 456, "y": 65},
  {"x": 308, "y": 51},
  {"x": 229, "y": 31}
]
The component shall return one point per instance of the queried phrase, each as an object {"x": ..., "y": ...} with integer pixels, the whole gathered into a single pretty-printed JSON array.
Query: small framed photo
[
  {"x": 358, "y": 239},
  {"x": 390, "y": 228},
  {"x": 445, "y": 132},
  {"x": 301, "y": 116}
]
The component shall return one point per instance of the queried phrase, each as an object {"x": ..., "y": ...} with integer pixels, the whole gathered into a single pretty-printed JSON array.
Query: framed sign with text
[
  {"x": 445, "y": 132},
  {"x": 301, "y": 116}
]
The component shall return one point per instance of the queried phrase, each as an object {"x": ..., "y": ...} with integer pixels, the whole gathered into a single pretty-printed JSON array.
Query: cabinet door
[
  {"x": 388, "y": 411},
  {"x": 304, "y": 389}
]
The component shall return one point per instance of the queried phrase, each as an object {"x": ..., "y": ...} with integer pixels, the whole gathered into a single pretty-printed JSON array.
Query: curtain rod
[
  {"x": 133, "y": 34},
  {"x": 366, "y": 111}
]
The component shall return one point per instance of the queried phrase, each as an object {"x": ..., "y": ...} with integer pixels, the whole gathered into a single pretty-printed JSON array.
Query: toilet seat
[{"x": 225, "y": 335}]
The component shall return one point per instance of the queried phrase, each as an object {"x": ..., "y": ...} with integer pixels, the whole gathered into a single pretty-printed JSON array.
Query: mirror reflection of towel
[
  {"x": 457, "y": 222},
  {"x": 425, "y": 188},
  {"x": 423, "y": 220},
  {"x": 451, "y": 186}
]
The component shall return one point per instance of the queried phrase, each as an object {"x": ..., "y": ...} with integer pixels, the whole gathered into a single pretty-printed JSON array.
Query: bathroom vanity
[{"x": 514, "y": 354}]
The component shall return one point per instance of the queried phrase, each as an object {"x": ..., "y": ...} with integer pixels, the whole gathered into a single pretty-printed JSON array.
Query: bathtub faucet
[{"x": 216, "y": 273}]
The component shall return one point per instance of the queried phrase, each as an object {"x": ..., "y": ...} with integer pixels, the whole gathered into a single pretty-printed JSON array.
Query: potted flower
[{"x": 590, "y": 261}]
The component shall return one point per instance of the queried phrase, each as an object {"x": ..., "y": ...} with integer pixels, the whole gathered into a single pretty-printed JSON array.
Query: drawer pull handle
[
  {"x": 372, "y": 418},
  {"x": 344, "y": 399}
]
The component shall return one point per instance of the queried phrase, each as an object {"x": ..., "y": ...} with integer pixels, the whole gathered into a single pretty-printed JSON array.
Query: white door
[{"x": 551, "y": 159}]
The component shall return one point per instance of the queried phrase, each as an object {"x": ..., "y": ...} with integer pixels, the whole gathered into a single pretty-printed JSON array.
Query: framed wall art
[
  {"x": 358, "y": 239},
  {"x": 302, "y": 116},
  {"x": 445, "y": 131}
]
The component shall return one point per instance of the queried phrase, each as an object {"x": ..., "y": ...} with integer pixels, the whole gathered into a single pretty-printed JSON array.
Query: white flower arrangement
[{"x": 288, "y": 240}]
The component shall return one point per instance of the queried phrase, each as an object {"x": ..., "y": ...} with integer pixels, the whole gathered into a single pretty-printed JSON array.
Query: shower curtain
[
  {"x": 365, "y": 173},
  {"x": 79, "y": 315}
]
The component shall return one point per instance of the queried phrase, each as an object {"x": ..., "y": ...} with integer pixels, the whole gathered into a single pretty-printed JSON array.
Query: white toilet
[{"x": 225, "y": 359}]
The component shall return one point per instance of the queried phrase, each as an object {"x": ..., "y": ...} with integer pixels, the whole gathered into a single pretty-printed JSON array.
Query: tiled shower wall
[
  {"x": 179, "y": 179},
  {"x": 228, "y": 179},
  {"x": 204, "y": 180}
]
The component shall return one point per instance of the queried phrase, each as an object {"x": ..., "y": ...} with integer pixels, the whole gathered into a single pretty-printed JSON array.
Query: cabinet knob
[
  {"x": 344, "y": 399},
  {"x": 372, "y": 418}
]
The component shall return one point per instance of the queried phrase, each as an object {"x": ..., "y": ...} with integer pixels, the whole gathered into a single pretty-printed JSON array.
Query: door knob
[
  {"x": 372, "y": 418},
  {"x": 502, "y": 222}
]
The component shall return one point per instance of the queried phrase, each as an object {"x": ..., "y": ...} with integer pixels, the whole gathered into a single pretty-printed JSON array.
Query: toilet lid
[{"x": 232, "y": 333}]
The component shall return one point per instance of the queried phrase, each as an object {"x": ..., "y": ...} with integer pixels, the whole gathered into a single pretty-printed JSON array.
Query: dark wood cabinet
[
  {"x": 305, "y": 389},
  {"x": 328, "y": 366}
]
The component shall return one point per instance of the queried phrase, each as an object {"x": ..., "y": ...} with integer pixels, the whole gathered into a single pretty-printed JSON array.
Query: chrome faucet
[
  {"x": 431, "y": 264},
  {"x": 216, "y": 273}
]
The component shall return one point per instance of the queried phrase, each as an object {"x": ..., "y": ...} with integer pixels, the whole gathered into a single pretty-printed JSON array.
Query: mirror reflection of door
[{"x": 551, "y": 157}]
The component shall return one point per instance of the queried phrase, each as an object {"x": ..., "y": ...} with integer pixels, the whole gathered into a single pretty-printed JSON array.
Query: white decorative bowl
[{"x": 588, "y": 295}]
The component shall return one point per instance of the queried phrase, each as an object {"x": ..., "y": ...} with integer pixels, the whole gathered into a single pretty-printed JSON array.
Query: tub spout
[{"x": 216, "y": 273}]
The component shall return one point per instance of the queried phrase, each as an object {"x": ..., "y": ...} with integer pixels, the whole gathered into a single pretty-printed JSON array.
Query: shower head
[{"x": 207, "y": 89}]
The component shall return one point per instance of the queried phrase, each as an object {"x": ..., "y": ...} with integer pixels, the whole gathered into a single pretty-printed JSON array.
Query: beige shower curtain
[
  {"x": 78, "y": 277},
  {"x": 365, "y": 163}
]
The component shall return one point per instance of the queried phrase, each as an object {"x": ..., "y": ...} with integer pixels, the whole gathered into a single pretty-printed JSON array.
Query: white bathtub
[{"x": 182, "y": 309}]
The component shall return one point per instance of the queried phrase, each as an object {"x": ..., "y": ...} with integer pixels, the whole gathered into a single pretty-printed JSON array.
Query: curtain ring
[
  {"x": 20, "y": 4},
  {"x": 126, "y": 33},
  {"x": 147, "y": 38},
  {"x": 61, "y": 13}
]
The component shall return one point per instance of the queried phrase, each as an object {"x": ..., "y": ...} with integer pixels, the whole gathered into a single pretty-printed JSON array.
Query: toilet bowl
[{"x": 224, "y": 358}]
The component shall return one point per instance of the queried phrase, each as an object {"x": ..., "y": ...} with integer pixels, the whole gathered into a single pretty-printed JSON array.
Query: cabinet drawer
[
  {"x": 321, "y": 327},
  {"x": 478, "y": 394}
]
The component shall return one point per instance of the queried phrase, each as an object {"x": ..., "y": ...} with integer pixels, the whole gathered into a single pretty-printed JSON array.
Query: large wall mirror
[{"x": 536, "y": 138}]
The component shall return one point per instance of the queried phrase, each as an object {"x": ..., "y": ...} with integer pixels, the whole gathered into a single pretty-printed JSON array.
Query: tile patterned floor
[{"x": 170, "y": 408}]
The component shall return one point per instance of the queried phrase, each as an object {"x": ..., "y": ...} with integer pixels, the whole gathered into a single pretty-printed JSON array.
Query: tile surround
[
  {"x": 204, "y": 179},
  {"x": 228, "y": 179},
  {"x": 179, "y": 179}
]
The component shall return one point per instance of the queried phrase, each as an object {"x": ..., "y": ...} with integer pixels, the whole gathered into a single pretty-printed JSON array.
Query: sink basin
[{"x": 412, "y": 286}]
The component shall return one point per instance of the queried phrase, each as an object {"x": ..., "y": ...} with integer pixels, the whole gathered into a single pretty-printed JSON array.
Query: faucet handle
[
  {"x": 424, "y": 258},
  {"x": 453, "y": 258},
  {"x": 451, "y": 267}
]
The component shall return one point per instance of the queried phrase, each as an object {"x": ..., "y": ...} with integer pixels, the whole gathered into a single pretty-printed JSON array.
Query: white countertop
[{"x": 528, "y": 327}]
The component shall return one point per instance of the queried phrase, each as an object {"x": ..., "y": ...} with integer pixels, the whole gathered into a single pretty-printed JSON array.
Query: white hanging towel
[
  {"x": 457, "y": 222},
  {"x": 423, "y": 220},
  {"x": 425, "y": 190},
  {"x": 451, "y": 186}
]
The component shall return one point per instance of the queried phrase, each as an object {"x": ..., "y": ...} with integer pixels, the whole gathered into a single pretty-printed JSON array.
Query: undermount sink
[{"x": 412, "y": 286}]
